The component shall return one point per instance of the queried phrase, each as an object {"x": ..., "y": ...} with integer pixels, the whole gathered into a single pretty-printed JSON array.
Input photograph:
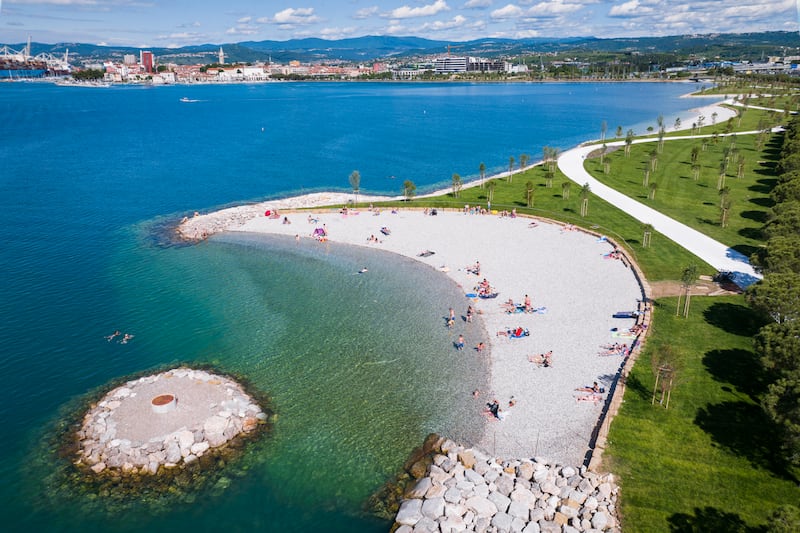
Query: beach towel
[
  {"x": 623, "y": 335},
  {"x": 540, "y": 310}
]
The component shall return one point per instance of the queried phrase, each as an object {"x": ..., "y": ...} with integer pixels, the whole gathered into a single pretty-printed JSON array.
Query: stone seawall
[{"x": 453, "y": 488}]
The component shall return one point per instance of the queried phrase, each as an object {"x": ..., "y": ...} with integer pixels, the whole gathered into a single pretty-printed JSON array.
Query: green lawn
[
  {"x": 710, "y": 461},
  {"x": 696, "y": 203}
]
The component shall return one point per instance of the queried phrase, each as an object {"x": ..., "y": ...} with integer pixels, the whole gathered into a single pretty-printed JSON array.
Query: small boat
[{"x": 188, "y": 100}]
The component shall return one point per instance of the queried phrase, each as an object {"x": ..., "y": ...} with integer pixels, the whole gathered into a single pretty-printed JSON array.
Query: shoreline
[
  {"x": 507, "y": 364},
  {"x": 573, "y": 285}
]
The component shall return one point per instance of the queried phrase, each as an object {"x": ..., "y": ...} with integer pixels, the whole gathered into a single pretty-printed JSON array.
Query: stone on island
[{"x": 165, "y": 420}]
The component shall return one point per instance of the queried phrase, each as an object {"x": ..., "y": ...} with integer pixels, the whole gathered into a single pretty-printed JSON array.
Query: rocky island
[{"x": 165, "y": 420}]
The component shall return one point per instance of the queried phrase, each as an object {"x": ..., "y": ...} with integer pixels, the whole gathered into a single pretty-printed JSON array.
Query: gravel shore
[{"x": 567, "y": 275}]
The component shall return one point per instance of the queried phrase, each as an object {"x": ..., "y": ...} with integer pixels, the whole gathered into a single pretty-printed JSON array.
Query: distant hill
[{"x": 745, "y": 46}]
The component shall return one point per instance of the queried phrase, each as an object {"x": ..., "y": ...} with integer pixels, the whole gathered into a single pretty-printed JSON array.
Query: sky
[{"x": 174, "y": 23}]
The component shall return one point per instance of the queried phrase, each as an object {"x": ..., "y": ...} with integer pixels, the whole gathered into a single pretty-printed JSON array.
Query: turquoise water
[{"x": 359, "y": 368}]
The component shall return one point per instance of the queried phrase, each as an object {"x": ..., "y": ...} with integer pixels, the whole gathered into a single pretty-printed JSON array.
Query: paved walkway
[{"x": 712, "y": 252}]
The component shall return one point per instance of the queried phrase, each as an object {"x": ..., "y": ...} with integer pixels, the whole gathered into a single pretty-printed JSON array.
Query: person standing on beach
[{"x": 470, "y": 312}]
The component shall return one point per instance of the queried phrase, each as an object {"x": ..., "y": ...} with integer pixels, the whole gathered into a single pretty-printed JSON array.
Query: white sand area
[{"x": 564, "y": 271}]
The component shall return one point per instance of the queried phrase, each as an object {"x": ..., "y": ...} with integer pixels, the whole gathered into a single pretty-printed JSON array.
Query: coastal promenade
[{"x": 713, "y": 252}]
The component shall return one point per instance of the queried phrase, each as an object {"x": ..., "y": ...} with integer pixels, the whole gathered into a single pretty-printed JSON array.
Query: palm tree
[
  {"x": 456, "y": 185},
  {"x": 722, "y": 172},
  {"x": 695, "y": 154},
  {"x": 653, "y": 187},
  {"x": 529, "y": 194},
  {"x": 660, "y": 122},
  {"x": 714, "y": 117},
  {"x": 482, "y": 170},
  {"x": 510, "y": 168},
  {"x": 585, "y": 191},
  {"x": 565, "y": 187},
  {"x": 647, "y": 234},
  {"x": 725, "y": 209},
  {"x": 678, "y": 123},
  {"x": 355, "y": 182},
  {"x": 603, "y": 129},
  {"x": 408, "y": 189},
  {"x": 548, "y": 178},
  {"x": 660, "y": 140},
  {"x": 700, "y": 120},
  {"x": 523, "y": 161},
  {"x": 628, "y": 142},
  {"x": 603, "y": 151},
  {"x": 490, "y": 188},
  {"x": 695, "y": 171},
  {"x": 653, "y": 160},
  {"x": 619, "y": 132}
]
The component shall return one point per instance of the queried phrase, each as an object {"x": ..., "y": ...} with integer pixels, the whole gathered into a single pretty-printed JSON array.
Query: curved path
[{"x": 713, "y": 252}]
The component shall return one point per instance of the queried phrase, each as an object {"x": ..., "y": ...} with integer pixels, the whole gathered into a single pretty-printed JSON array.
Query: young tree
[
  {"x": 585, "y": 192},
  {"x": 628, "y": 142},
  {"x": 482, "y": 170},
  {"x": 647, "y": 235},
  {"x": 619, "y": 132},
  {"x": 409, "y": 190},
  {"x": 565, "y": 187},
  {"x": 548, "y": 178},
  {"x": 523, "y": 161},
  {"x": 725, "y": 209},
  {"x": 355, "y": 182},
  {"x": 603, "y": 151},
  {"x": 529, "y": 193},
  {"x": 456, "y": 185},
  {"x": 490, "y": 190},
  {"x": 510, "y": 168},
  {"x": 603, "y": 129},
  {"x": 688, "y": 278},
  {"x": 695, "y": 171},
  {"x": 652, "y": 194}
]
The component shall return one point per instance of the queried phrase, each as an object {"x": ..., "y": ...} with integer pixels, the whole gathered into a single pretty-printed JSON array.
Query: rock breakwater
[
  {"x": 454, "y": 488},
  {"x": 165, "y": 420}
]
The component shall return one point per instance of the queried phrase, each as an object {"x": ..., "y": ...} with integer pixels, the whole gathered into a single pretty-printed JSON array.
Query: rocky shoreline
[
  {"x": 165, "y": 420},
  {"x": 452, "y": 488}
]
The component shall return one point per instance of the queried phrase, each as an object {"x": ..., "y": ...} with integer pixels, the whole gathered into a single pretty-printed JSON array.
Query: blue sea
[{"x": 358, "y": 369}]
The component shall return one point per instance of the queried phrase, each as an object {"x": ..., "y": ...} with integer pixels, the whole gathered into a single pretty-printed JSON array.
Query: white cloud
[
  {"x": 439, "y": 25},
  {"x": 396, "y": 29},
  {"x": 477, "y": 4},
  {"x": 300, "y": 15},
  {"x": 366, "y": 12},
  {"x": 424, "y": 11},
  {"x": 244, "y": 20},
  {"x": 336, "y": 33},
  {"x": 624, "y": 10},
  {"x": 242, "y": 29},
  {"x": 506, "y": 12},
  {"x": 554, "y": 7}
]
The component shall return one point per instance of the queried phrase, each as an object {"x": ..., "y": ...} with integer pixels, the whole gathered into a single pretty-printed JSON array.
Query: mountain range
[{"x": 744, "y": 46}]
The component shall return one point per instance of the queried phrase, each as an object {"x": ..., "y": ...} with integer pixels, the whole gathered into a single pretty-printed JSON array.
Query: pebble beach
[{"x": 574, "y": 285}]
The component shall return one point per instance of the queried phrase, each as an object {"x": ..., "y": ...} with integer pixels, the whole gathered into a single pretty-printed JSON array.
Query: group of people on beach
[{"x": 493, "y": 408}]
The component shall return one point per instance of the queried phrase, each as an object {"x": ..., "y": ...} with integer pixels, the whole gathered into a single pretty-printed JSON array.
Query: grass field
[{"x": 710, "y": 461}]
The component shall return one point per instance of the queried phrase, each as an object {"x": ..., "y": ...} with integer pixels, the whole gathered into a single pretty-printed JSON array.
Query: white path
[{"x": 709, "y": 250}]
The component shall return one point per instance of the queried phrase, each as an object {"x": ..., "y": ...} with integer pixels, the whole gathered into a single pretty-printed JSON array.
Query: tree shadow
[
  {"x": 710, "y": 519},
  {"x": 757, "y": 216},
  {"x": 745, "y": 249},
  {"x": 738, "y": 367},
  {"x": 751, "y": 233},
  {"x": 762, "y": 202},
  {"x": 764, "y": 185},
  {"x": 733, "y": 318},
  {"x": 744, "y": 430},
  {"x": 633, "y": 385}
]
